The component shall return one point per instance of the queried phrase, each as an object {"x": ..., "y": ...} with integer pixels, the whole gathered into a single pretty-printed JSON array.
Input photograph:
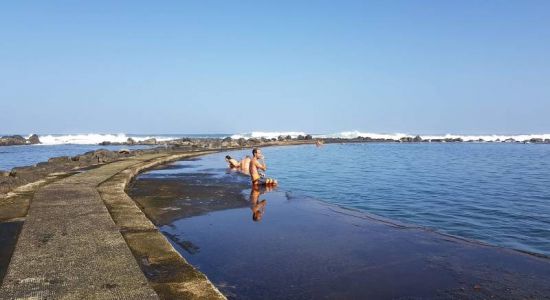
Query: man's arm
[{"x": 259, "y": 165}]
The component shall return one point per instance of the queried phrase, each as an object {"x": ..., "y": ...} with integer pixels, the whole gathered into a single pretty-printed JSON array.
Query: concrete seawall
[{"x": 83, "y": 237}]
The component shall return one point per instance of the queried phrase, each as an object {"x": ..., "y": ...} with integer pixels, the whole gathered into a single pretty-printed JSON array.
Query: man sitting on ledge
[{"x": 255, "y": 164}]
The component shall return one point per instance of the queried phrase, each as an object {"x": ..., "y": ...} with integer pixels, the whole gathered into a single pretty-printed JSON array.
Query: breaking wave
[{"x": 96, "y": 138}]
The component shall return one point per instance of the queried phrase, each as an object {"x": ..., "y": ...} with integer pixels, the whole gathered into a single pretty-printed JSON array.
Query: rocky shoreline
[
  {"x": 241, "y": 142},
  {"x": 14, "y": 140}
]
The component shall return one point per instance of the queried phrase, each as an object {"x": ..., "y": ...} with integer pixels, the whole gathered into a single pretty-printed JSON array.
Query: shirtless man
[
  {"x": 255, "y": 165},
  {"x": 233, "y": 163},
  {"x": 245, "y": 164}
]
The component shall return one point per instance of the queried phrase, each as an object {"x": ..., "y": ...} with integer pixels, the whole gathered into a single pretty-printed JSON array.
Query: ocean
[
  {"x": 363, "y": 221},
  {"x": 496, "y": 193}
]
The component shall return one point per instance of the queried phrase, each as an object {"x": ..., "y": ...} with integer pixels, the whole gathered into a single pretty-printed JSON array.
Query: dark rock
[
  {"x": 105, "y": 143},
  {"x": 453, "y": 140},
  {"x": 308, "y": 137},
  {"x": 103, "y": 155},
  {"x": 12, "y": 140},
  {"x": 406, "y": 139},
  {"x": 536, "y": 140},
  {"x": 301, "y": 137},
  {"x": 547, "y": 141},
  {"x": 288, "y": 137},
  {"x": 509, "y": 140},
  {"x": 417, "y": 139},
  {"x": 227, "y": 139},
  {"x": 33, "y": 139},
  {"x": 280, "y": 138},
  {"x": 124, "y": 151},
  {"x": 241, "y": 142},
  {"x": 60, "y": 159},
  {"x": 151, "y": 141},
  {"x": 130, "y": 141},
  {"x": 253, "y": 141},
  {"x": 436, "y": 140}
]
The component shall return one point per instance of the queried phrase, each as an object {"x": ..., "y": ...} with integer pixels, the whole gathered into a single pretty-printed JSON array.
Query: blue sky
[{"x": 240, "y": 66}]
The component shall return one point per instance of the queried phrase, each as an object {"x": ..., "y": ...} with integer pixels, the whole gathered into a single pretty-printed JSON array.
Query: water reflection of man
[{"x": 258, "y": 206}]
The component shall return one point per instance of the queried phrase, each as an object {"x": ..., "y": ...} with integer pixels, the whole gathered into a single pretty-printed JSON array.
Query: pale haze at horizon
[{"x": 468, "y": 67}]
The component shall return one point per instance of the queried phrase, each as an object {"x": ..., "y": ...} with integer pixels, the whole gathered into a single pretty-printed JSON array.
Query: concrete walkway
[{"x": 70, "y": 247}]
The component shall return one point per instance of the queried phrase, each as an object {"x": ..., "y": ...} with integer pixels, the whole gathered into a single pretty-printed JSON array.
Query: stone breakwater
[
  {"x": 19, "y": 176},
  {"x": 83, "y": 237}
]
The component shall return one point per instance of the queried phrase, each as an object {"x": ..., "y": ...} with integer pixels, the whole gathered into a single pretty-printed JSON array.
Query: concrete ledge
[{"x": 168, "y": 273}]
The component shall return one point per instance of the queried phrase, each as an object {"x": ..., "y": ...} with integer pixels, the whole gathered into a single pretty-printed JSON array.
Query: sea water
[{"x": 498, "y": 194}]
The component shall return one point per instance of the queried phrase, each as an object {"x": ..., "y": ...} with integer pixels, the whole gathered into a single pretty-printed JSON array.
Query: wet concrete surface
[
  {"x": 9, "y": 231},
  {"x": 305, "y": 249}
]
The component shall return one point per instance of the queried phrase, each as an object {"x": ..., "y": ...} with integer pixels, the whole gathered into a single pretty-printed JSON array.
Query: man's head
[
  {"x": 227, "y": 157},
  {"x": 256, "y": 152}
]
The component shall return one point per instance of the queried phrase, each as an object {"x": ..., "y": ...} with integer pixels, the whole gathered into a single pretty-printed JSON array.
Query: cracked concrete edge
[{"x": 149, "y": 246}]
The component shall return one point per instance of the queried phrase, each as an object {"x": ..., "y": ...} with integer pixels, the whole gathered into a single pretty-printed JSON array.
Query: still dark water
[
  {"x": 303, "y": 248},
  {"x": 495, "y": 193}
]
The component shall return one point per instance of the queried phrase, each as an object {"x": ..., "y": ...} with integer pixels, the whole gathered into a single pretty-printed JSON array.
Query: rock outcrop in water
[{"x": 13, "y": 140}]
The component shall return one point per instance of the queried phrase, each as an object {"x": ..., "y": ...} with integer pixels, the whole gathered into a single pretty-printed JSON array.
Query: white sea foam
[
  {"x": 356, "y": 134},
  {"x": 396, "y": 136},
  {"x": 94, "y": 138}
]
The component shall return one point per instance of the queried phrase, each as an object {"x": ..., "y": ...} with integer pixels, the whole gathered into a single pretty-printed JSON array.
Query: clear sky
[{"x": 241, "y": 66}]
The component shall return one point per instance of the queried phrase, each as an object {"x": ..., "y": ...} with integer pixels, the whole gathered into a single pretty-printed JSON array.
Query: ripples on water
[{"x": 496, "y": 193}]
